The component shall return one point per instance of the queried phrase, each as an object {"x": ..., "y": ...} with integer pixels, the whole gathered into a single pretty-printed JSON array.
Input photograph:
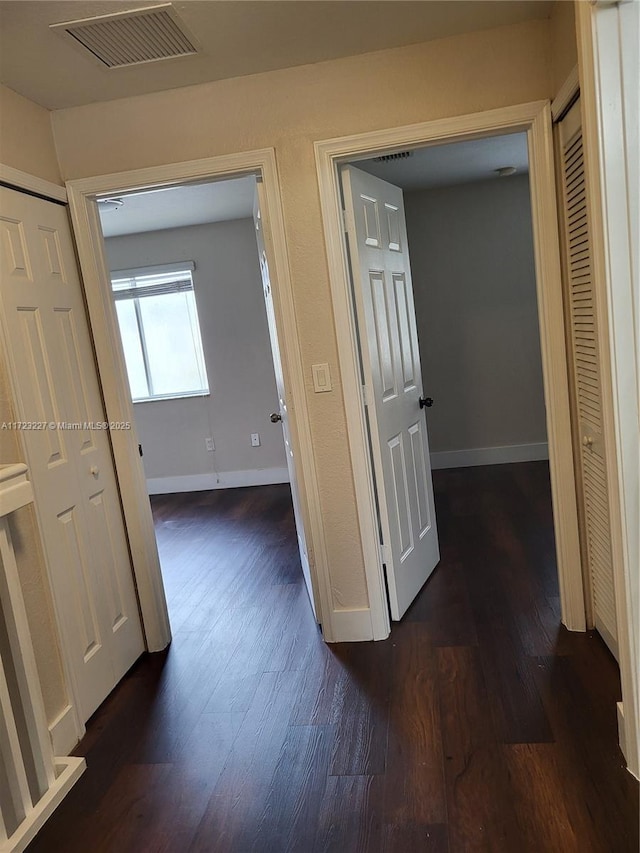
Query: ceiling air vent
[
  {"x": 388, "y": 158},
  {"x": 131, "y": 38}
]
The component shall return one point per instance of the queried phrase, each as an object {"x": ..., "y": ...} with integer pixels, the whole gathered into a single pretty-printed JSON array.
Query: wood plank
[
  {"x": 360, "y": 710},
  {"x": 414, "y": 778},
  {"x": 479, "y": 803},
  {"x": 349, "y": 819},
  {"x": 180, "y": 805},
  {"x": 427, "y": 838},
  {"x": 234, "y": 813},
  {"x": 293, "y": 806}
]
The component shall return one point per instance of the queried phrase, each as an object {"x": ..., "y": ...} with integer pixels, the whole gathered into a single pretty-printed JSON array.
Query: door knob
[
  {"x": 94, "y": 470},
  {"x": 587, "y": 441},
  {"x": 425, "y": 401},
  {"x": 274, "y": 417}
]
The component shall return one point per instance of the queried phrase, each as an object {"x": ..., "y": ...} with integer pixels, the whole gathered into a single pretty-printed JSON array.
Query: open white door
[
  {"x": 393, "y": 391},
  {"x": 282, "y": 416},
  {"x": 68, "y": 450}
]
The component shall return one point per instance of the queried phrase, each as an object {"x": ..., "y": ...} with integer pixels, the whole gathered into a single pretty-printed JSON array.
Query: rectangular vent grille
[{"x": 132, "y": 38}]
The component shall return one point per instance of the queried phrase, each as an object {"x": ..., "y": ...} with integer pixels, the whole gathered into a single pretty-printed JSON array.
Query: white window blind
[{"x": 158, "y": 319}]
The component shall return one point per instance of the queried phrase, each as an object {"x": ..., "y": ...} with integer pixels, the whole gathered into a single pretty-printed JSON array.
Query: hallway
[{"x": 480, "y": 724}]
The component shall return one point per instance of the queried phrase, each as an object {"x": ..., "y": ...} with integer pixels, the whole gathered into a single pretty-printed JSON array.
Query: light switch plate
[{"x": 321, "y": 378}]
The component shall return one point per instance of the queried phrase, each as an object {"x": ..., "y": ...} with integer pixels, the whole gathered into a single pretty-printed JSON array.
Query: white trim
[
  {"x": 133, "y": 488},
  {"x": 489, "y": 455},
  {"x": 25, "y": 181},
  {"x": 32, "y": 747},
  {"x": 535, "y": 119},
  {"x": 68, "y": 771},
  {"x": 15, "y": 488},
  {"x": 63, "y": 732},
  {"x": 219, "y": 480},
  {"x": 156, "y": 269},
  {"x": 567, "y": 94},
  {"x": 353, "y": 626},
  {"x": 610, "y": 170},
  {"x": 622, "y": 732}
]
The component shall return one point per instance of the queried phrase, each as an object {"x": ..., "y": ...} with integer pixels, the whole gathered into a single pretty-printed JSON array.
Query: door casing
[
  {"x": 607, "y": 35},
  {"x": 534, "y": 119},
  {"x": 111, "y": 367}
]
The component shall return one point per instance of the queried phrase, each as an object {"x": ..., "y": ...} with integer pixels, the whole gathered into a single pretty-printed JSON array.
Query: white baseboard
[
  {"x": 490, "y": 455},
  {"x": 220, "y": 480},
  {"x": 351, "y": 626},
  {"x": 63, "y": 732},
  {"x": 622, "y": 740}
]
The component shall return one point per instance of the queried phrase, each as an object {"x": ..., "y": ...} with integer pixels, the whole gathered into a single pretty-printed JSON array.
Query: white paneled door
[
  {"x": 282, "y": 415},
  {"x": 59, "y": 405},
  {"x": 393, "y": 391}
]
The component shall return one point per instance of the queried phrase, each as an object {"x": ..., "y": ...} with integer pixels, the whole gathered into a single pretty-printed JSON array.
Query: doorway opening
[
  {"x": 191, "y": 296},
  {"x": 410, "y": 537},
  {"x": 443, "y": 274}
]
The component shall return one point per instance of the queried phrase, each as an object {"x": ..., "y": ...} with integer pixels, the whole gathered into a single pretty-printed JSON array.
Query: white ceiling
[
  {"x": 237, "y": 38},
  {"x": 454, "y": 163},
  {"x": 177, "y": 207}
]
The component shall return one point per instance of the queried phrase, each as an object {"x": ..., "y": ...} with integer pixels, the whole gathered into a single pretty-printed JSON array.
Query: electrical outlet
[
  {"x": 209, "y": 445},
  {"x": 255, "y": 439}
]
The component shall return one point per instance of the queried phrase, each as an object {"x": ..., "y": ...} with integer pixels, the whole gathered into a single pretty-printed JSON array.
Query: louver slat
[{"x": 586, "y": 379}]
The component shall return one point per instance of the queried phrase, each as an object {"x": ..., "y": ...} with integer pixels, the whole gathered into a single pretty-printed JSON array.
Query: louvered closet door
[{"x": 586, "y": 378}]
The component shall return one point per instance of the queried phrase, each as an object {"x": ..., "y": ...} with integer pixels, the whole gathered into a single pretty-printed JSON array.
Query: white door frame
[
  {"x": 24, "y": 181},
  {"x": 534, "y": 119},
  {"x": 610, "y": 116},
  {"x": 112, "y": 370}
]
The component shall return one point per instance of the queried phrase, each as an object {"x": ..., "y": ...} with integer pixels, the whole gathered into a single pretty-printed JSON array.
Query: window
[{"x": 158, "y": 319}]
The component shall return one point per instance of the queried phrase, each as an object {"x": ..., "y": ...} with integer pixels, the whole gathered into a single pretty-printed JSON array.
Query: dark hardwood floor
[{"x": 479, "y": 725}]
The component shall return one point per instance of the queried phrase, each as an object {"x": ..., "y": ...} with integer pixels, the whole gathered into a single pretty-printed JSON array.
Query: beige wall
[
  {"x": 26, "y": 138},
  {"x": 235, "y": 340},
  {"x": 289, "y": 110},
  {"x": 563, "y": 44},
  {"x": 33, "y": 576},
  {"x": 474, "y": 287}
]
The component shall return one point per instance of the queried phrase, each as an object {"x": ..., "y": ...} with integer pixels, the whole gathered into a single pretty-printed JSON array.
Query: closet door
[
  {"x": 42, "y": 314},
  {"x": 587, "y": 398}
]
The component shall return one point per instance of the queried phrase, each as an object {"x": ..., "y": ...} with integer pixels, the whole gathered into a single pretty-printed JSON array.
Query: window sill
[{"x": 172, "y": 397}]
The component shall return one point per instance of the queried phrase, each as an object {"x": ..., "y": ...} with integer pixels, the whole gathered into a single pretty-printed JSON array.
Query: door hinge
[
  {"x": 365, "y": 395},
  {"x": 345, "y": 222},
  {"x": 384, "y": 553}
]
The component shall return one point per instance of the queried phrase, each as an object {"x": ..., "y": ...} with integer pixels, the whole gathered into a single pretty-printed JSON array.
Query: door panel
[
  {"x": 587, "y": 400},
  {"x": 282, "y": 400},
  {"x": 71, "y": 468},
  {"x": 391, "y": 366}
]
